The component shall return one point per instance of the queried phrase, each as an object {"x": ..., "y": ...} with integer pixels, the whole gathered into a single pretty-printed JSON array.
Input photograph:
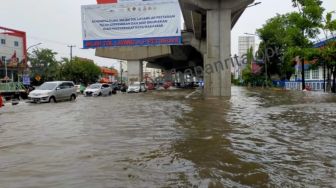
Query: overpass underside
[{"x": 206, "y": 41}]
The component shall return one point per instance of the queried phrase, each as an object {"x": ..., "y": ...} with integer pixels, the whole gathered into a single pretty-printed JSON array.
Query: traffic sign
[
  {"x": 26, "y": 80},
  {"x": 37, "y": 77}
]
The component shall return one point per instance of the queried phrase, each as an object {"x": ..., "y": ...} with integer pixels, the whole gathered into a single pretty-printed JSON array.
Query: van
[{"x": 53, "y": 92}]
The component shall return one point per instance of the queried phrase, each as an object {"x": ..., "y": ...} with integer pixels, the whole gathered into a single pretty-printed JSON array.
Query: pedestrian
[
  {"x": 82, "y": 88},
  {"x": 1, "y": 102},
  {"x": 123, "y": 88}
]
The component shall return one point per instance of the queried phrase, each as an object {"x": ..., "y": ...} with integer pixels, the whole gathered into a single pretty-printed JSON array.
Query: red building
[
  {"x": 13, "y": 52},
  {"x": 108, "y": 75}
]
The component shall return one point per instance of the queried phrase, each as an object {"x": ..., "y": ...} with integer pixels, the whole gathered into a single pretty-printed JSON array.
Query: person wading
[{"x": 1, "y": 102}]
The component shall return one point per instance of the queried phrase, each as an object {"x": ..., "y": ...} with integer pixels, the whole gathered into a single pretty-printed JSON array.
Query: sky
[{"x": 57, "y": 23}]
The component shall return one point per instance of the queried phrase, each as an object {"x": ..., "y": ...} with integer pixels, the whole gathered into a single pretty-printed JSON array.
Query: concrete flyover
[{"x": 206, "y": 40}]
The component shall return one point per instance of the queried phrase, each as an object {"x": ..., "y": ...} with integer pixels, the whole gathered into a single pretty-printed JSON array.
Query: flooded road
[{"x": 258, "y": 138}]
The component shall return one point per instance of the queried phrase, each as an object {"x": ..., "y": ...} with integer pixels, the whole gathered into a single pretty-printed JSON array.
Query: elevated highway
[{"x": 206, "y": 40}]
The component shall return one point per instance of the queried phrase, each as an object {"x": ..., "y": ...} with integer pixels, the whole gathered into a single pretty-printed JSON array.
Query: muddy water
[{"x": 258, "y": 138}]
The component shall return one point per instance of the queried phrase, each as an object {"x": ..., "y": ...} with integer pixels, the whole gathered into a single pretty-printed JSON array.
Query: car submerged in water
[
  {"x": 53, "y": 92},
  {"x": 137, "y": 87},
  {"x": 98, "y": 90}
]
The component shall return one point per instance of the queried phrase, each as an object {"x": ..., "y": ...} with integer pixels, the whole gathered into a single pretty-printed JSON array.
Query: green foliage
[
  {"x": 330, "y": 24},
  {"x": 44, "y": 63},
  {"x": 290, "y": 35},
  {"x": 252, "y": 79},
  {"x": 80, "y": 70}
]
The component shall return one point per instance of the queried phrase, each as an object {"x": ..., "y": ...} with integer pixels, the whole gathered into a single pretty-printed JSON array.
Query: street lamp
[
  {"x": 254, "y": 4},
  {"x": 242, "y": 10},
  {"x": 121, "y": 70},
  {"x": 33, "y": 46}
]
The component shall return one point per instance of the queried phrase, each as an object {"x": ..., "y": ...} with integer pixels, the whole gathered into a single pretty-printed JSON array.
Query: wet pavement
[{"x": 258, "y": 138}]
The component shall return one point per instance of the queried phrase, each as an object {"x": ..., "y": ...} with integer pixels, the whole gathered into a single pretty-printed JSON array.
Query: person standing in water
[{"x": 1, "y": 102}]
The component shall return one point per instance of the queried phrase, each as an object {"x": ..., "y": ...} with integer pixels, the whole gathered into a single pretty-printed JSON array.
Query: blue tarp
[{"x": 323, "y": 43}]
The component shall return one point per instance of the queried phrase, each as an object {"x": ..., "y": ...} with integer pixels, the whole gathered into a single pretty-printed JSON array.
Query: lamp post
[
  {"x": 254, "y": 4},
  {"x": 33, "y": 46},
  {"x": 121, "y": 71}
]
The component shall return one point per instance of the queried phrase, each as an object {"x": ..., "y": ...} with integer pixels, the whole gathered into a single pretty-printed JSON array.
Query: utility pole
[
  {"x": 324, "y": 77},
  {"x": 303, "y": 75},
  {"x": 71, "y": 46},
  {"x": 121, "y": 71}
]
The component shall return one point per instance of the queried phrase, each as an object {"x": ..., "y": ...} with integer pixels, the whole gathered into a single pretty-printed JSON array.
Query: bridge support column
[
  {"x": 217, "y": 75},
  {"x": 135, "y": 71}
]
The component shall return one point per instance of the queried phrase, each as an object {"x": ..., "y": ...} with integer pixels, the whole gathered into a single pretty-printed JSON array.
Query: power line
[{"x": 47, "y": 40}]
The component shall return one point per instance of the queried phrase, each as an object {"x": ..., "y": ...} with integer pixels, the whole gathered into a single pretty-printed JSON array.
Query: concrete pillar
[
  {"x": 135, "y": 71},
  {"x": 217, "y": 67}
]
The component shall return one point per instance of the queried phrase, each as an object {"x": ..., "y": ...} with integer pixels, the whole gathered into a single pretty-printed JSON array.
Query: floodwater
[{"x": 258, "y": 138}]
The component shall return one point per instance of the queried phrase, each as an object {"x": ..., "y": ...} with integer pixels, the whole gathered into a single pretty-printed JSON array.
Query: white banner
[{"x": 140, "y": 23}]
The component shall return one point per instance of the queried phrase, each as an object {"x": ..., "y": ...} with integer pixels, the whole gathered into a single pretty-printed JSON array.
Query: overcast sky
[{"x": 57, "y": 23}]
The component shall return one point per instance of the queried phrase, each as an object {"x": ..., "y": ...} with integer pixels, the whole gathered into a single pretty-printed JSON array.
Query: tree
[
  {"x": 329, "y": 51},
  {"x": 326, "y": 55},
  {"x": 80, "y": 70},
  {"x": 290, "y": 35},
  {"x": 273, "y": 44},
  {"x": 251, "y": 77},
  {"x": 44, "y": 64}
]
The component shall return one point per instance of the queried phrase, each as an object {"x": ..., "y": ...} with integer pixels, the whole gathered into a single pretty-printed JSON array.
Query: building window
[
  {"x": 307, "y": 74},
  {"x": 3, "y": 59},
  {"x": 315, "y": 74},
  {"x": 16, "y": 43},
  {"x": 3, "y": 41}
]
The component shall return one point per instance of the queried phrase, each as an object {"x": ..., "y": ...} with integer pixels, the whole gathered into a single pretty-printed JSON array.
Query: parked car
[
  {"x": 98, "y": 90},
  {"x": 143, "y": 87},
  {"x": 137, "y": 87},
  {"x": 114, "y": 87},
  {"x": 123, "y": 88},
  {"x": 53, "y": 92}
]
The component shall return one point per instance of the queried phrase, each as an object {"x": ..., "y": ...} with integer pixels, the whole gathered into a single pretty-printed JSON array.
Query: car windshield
[
  {"x": 134, "y": 85},
  {"x": 47, "y": 86},
  {"x": 94, "y": 86}
]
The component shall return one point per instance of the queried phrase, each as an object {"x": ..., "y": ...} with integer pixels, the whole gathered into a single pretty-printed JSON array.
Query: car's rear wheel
[{"x": 52, "y": 99}]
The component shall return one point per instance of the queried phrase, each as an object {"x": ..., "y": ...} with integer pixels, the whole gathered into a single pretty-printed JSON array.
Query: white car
[
  {"x": 98, "y": 90},
  {"x": 53, "y": 92},
  {"x": 133, "y": 88},
  {"x": 136, "y": 88}
]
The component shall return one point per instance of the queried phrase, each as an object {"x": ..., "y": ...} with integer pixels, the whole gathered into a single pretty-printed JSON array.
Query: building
[
  {"x": 109, "y": 75},
  {"x": 314, "y": 78},
  {"x": 13, "y": 53},
  {"x": 244, "y": 44}
]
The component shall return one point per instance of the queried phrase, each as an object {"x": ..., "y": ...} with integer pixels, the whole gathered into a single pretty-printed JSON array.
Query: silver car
[{"x": 54, "y": 92}]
